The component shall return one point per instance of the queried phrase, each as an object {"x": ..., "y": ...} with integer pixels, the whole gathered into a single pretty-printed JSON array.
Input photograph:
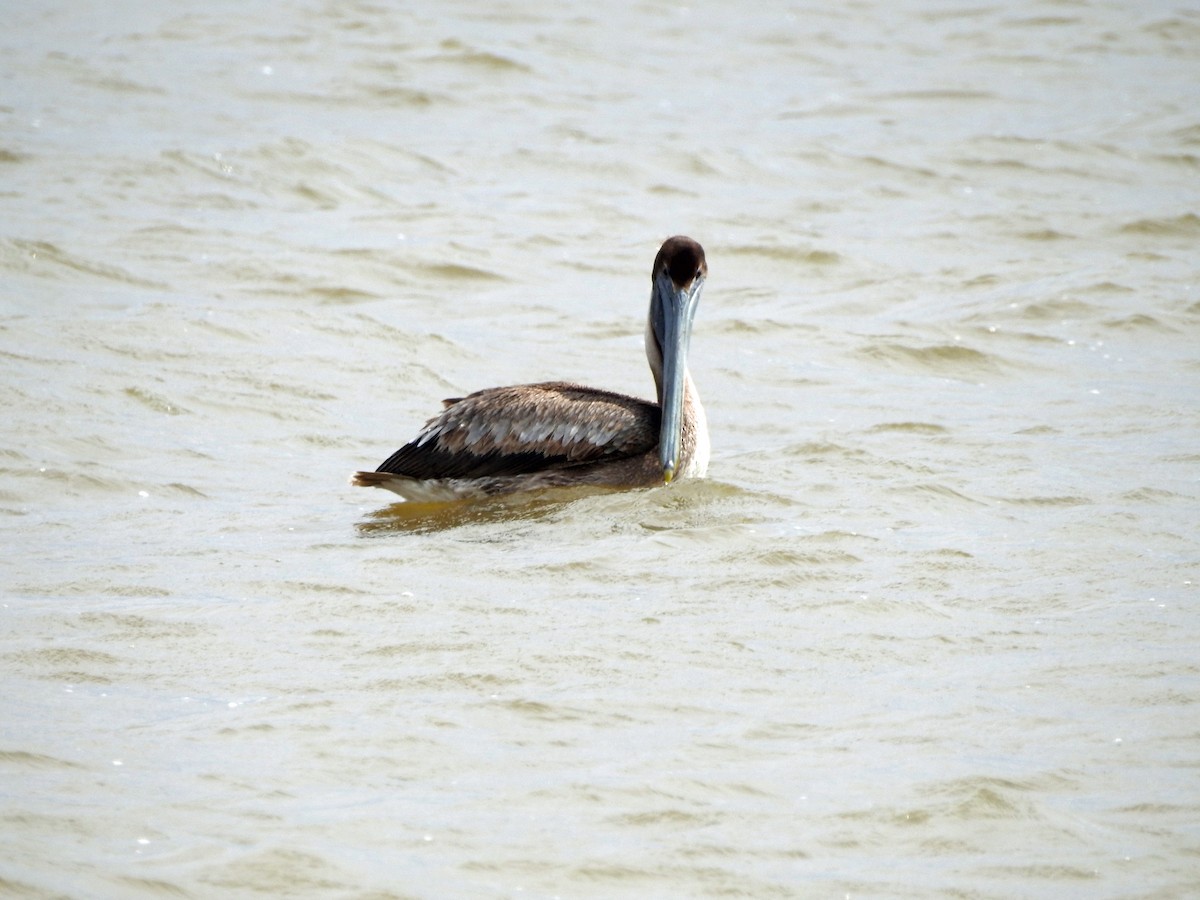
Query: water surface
[{"x": 929, "y": 628}]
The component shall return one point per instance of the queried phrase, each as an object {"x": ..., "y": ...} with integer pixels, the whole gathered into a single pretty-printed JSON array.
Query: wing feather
[{"x": 527, "y": 428}]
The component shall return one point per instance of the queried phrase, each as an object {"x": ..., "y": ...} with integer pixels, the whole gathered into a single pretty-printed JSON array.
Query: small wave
[
  {"x": 20, "y": 759},
  {"x": 756, "y": 326},
  {"x": 45, "y": 258},
  {"x": 949, "y": 360},
  {"x": 458, "y": 272},
  {"x": 939, "y": 94},
  {"x": 155, "y": 402},
  {"x": 985, "y": 797},
  {"x": 1107, "y": 287},
  {"x": 1138, "y": 322},
  {"x": 1186, "y": 160},
  {"x": 1059, "y": 308},
  {"x": 74, "y": 664},
  {"x": 119, "y": 85},
  {"x": 910, "y": 428},
  {"x": 937, "y": 493},
  {"x": 1060, "y": 500},
  {"x": 1187, "y": 225},
  {"x": 127, "y": 627},
  {"x": 460, "y": 54},
  {"x": 785, "y": 253},
  {"x": 342, "y": 296},
  {"x": 821, "y": 450},
  {"x": 1045, "y": 235},
  {"x": 1149, "y": 495}
]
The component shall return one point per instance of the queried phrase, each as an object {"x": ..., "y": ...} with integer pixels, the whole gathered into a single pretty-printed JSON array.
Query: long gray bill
[{"x": 674, "y": 311}]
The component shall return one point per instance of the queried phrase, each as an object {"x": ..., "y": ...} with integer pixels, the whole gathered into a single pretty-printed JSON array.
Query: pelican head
[{"x": 677, "y": 279}]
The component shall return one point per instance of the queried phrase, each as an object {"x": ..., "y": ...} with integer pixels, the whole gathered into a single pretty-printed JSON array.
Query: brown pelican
[{"x": 509, "y": 439}]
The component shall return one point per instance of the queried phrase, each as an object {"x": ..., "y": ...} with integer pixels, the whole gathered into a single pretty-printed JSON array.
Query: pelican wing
[{"x": 528, "y": 428}]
